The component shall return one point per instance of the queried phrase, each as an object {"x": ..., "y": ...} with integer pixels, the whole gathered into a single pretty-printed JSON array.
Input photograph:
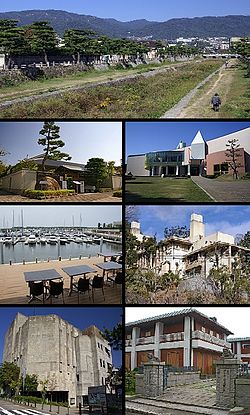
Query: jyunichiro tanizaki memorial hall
[{"x": 200, "y": 158}]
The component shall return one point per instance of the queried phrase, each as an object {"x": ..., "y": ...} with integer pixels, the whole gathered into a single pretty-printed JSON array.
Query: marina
[{"x": 45, "y": 244}]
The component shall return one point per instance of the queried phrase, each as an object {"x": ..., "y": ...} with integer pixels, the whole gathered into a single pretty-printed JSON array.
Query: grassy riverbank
[{"x": 145, "y": 96}]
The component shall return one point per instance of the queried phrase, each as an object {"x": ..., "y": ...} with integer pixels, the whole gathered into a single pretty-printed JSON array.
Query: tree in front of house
[
  {"x": 52, "y": 144},
  {"x": 24, "y": 164},
  {"x": 245, "y": 240},
  {"x": 179, "y": 231},
  {"x": 10, "y": 380},
  {"x": 96, "y": 172},
  {"x": 30, "y": 384},
  {"x": 233, "y": 154},
  {"x": 42, "y": 38},
  {"x": 114, "y": 336}
]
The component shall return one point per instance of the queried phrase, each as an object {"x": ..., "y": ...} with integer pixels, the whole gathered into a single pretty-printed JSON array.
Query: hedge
[
  {"x": 117, "y": 193},
  {"x": 46, "y": 194}
]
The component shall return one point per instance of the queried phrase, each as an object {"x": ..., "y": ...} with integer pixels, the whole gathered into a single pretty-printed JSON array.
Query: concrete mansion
[
  {"x": 191, "y": 256},
  {"x": 200, "y": 158},
  {"x": 69, "y": 358}
]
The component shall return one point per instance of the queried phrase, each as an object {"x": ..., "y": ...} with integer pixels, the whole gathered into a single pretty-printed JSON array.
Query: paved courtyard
[
  {"x": 237, "y": 191},
  {"x": 85, "y": 197}
]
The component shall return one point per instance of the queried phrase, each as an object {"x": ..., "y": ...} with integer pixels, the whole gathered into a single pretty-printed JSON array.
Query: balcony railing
[
  {"x": 211, "y": 339},
  {"x": 171, "y": 337},
  {"x": 145, "y": 340}
]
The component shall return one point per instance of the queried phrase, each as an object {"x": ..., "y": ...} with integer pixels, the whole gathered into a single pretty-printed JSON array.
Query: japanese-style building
[{"x": 184, "y": 338}]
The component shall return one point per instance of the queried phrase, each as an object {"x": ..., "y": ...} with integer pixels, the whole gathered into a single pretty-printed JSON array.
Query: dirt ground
[{"x": 200, "y": 105}]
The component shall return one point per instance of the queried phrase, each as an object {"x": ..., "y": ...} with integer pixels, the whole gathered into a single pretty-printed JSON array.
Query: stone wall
[
  {"x": 182, "y": 378},
  {"x": 139, "y": 384},
  {"x": 227, "y": 370},
  {"x": 242, "y": 392}
]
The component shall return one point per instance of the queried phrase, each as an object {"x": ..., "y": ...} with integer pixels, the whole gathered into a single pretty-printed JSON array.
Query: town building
[
  {"x": 185, "y": 338},
  {"x": 241, "y": 348},
  {"x": 195, "y": 255},
  {"x": 200, "y": 158},
  {"x": 70, "y": 359}
]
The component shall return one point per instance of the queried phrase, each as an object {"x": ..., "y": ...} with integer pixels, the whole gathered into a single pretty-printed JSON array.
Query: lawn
[
  {"x": 144, "y": 97},
  {"x": 157, "y": 189}
]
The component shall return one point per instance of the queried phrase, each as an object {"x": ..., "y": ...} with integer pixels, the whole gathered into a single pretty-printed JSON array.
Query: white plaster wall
[
  {"x": 136, "y": 165},
  {"x": 215, "y": 237},
  {"x": 219, "y": 144}
]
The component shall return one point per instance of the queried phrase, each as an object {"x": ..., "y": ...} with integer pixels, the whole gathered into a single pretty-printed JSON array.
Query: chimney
[{"x": 197, "y": 227}]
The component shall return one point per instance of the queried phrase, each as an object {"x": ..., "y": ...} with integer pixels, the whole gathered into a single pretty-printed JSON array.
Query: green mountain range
[{"x": 209, "y": 26}]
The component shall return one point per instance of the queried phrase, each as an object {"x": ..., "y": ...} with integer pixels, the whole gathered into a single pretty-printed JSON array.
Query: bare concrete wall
[{"x": 242, "y": 394}]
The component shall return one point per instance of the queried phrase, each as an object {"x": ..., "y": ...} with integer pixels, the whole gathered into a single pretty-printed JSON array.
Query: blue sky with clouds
[
  {"x": 83, "y": 140},
  {"x": 231, "y": 219},
  {"x": 145, "y": 136},
  {"x": 158, "y": 10}
]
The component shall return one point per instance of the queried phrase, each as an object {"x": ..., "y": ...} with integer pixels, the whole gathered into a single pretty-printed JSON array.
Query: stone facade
[
  {"x": 50, "y": 347},
  {"x": 227, "y": 370},
  {"x": 182, "y": 378},
  {"x": 242, "y": 393}
]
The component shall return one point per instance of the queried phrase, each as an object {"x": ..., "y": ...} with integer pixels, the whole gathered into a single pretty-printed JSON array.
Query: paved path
[
  {"x": 86, "y": 197},
  {"x": 198, "y": 398},
  {"x": 236, "y": 191},
  {"x": 182, "y": 104}
]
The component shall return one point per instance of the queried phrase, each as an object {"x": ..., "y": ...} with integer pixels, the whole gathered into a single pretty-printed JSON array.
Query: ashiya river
[{"x": 29, "y": 253}]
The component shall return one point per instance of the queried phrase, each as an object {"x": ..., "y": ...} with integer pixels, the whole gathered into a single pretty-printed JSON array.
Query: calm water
[{"x": 20, "y": 251}]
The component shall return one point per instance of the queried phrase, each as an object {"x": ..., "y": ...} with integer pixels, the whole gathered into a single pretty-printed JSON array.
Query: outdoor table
[
  {"x": 113, "y": 254},
  {"x": 41, "y": 275},
  {"x": 109, "y": 266},
  {"x": 75, "y": 271}
]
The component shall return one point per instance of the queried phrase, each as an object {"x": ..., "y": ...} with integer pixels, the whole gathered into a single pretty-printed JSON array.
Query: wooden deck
[{"x": 14, "y": 289}]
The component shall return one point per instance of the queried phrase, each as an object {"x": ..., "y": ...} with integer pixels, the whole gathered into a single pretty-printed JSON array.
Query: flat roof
[{"x": 238, "y": 339}]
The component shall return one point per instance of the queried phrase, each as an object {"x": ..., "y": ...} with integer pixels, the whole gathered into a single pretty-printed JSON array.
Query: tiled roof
[
  {"x": 183, "y": 312},
  {"x": 238, "y": 339}
]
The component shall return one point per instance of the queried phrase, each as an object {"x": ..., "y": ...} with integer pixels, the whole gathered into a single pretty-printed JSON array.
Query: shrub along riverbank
[{"x": 144, "y": 96}]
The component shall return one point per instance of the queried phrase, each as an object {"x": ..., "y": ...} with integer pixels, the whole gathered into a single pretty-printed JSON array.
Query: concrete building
[
  {"x": 70, "y": 358},
  {"x": 181, "y": 339},
  {"x": 241, "y": 348},
  {"x": 194, "y": 255},
  {"x": 200, "y": 158}
]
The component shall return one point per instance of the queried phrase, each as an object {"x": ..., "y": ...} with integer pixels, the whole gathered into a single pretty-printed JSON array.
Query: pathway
[
  {"x": 106, "y": 197},
  {"x": 176, "y": 111},
  {"x": 237, "y": 191},
  {"x": 197, "y": 398}
]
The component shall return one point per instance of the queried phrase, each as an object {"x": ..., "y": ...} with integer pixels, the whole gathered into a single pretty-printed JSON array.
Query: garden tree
[
  {"x": 245, "y": 241},
  {"x": 235, "y": 285},
  {"x": 132, "y": 246},
  {"x": 114, "y": 336},
  {"x": 47, "y": 385},
  {"x": 3, "y": 167},
  {"x": 232, "y": 153},
  {"x": 96, "y": 172},
  {"x": 132, "y": 213},
  {"x": 114, "y": 378},
  {"x": 148, "y": 248},
  {"x": 10, "y": 378},
  {"x": 30, "y": 384},
  {"x": 111, "y": 168},
  {"x": 243, "y": 49},
  {"x": 78, "y": 41},
  {"x": 24, "y": 164},
  {"x": 42, "y": 38},
  {"x": 179, "y": 231},
  {"x": 11, "y": 38},
  {"x": 52, "y": 143}
]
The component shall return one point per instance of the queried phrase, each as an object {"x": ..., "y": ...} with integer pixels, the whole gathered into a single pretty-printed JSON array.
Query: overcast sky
[
  {"x": 230, "y": 219},
  {"x": 83, "y": 140},
  {"x": 233, "y": 318},
  {"x": 59, "y": 215},
  {"x": 159, "y": 10}
]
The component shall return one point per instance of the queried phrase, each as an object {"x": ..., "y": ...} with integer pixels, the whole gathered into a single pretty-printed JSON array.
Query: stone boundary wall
[
  {"x": 242, "y": 392},
  {"x": 139, "y": 384},
  {"x": 184, "y": 378}
]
